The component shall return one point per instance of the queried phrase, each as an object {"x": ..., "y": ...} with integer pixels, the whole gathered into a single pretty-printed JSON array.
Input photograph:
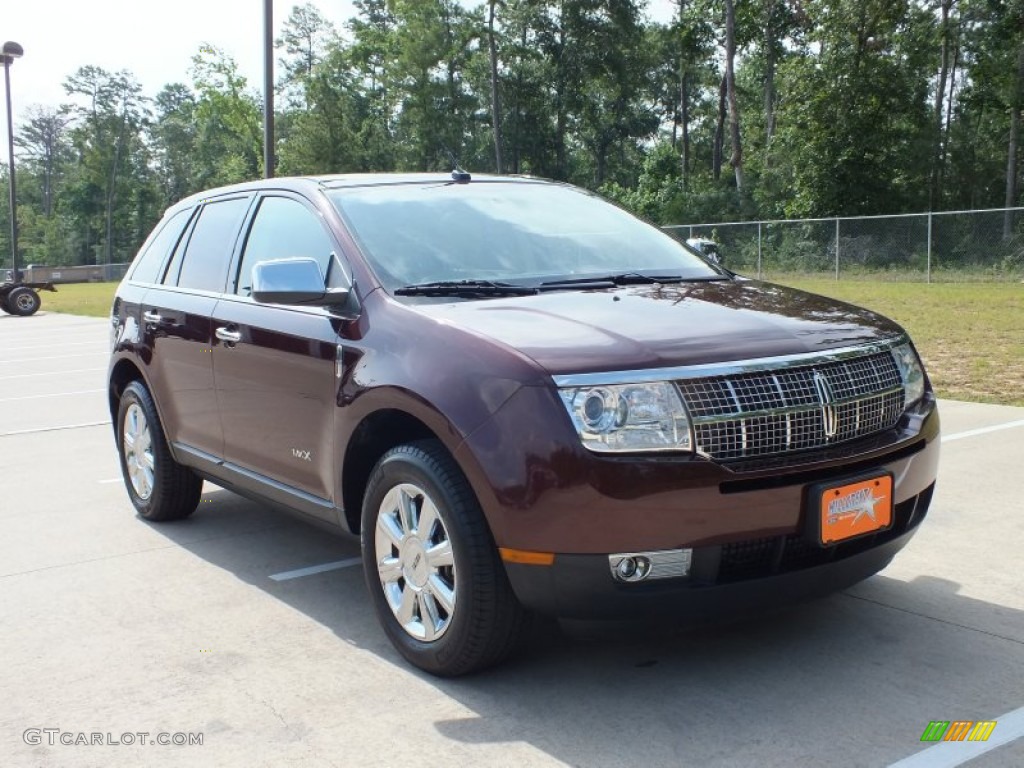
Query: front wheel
[
  {"x": 437, "y": 583},
  {"x": 160, "y": 488}
]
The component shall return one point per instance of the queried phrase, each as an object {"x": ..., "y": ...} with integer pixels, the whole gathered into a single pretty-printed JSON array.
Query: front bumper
[
  {"x": 724, "y": 580},
  {"x": 542, "y": 492}
]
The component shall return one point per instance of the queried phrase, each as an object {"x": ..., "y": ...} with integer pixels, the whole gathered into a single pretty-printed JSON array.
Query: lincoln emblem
[{"x": 829, "y": 417}]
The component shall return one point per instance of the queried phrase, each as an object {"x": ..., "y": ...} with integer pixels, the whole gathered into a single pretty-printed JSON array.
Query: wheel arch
[
  {"x": 376, "y": 434},
  {"x": 122, "y": 373}
]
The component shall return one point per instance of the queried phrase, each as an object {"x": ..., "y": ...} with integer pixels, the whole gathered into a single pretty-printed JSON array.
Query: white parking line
[
  {"x": 94, "y": 342},
  {"x": 54, "y": 429},
  {"x": 61, "y": 339},
  {"x": 948, "y": 754},
  {"x": 60, "y": 333},
  {"x": 983, "y": 430},
  {"x": 108, "y": 482},
  {"x": 314, "y": 569},
  {"x": 53, "y": 394},
  {"x": 51, "y": 373},
  {"x": 54, "y": 357}
]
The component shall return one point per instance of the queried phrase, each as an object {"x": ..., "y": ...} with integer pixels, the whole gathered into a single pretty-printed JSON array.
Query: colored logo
[
  {"x": 958, "y": 730},
  {"x": 860, "y": 503}
]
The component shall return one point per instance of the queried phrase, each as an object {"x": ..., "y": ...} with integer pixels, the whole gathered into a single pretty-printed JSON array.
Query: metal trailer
[{"x": 22, "y": 298}]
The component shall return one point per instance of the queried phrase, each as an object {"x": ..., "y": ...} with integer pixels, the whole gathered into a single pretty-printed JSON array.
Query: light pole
[
  {"x": 268, "y": 89},
  {"x": 12, "y": 51}
]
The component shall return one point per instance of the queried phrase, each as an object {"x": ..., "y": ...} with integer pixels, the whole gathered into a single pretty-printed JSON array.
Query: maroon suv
[{"x": 521, "y": 398}]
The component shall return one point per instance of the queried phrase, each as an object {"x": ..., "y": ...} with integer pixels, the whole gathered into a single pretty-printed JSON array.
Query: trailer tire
[{"x": 23, "y": 301}]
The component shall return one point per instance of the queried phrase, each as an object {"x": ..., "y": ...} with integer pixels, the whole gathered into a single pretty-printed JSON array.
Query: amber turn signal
[{"x": 525, "y": 557}]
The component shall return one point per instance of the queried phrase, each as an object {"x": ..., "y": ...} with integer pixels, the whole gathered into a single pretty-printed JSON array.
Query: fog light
[{"x": 631, "y": 567}]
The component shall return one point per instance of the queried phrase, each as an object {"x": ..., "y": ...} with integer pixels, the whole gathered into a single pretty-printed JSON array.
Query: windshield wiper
[
  {"x": 465, "y": 288},
  {"x": 625, "y": 278},
  {"x": 609, "y": 281}
]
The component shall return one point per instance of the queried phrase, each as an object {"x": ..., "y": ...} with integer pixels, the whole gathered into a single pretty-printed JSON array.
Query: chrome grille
[{"x": 770, "y": 412}]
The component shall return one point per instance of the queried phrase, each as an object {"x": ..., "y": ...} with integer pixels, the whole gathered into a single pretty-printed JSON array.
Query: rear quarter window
[
  {"x": 211, "y": 245},
  {"x": 151, "y": 258}
]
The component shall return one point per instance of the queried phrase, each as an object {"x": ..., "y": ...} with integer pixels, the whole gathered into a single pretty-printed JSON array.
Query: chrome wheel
[
  {"x": 138, "y": 451},
  {"x": 415, "y": 562}
]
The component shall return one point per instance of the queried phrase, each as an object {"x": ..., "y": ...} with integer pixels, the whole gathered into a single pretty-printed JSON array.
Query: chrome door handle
[
  {"x": 152, "y": 317},
  {"x": 230, "y": 337}
]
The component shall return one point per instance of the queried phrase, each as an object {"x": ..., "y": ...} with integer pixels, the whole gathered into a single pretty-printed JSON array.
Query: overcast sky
[{"x": 155, "y": 41}]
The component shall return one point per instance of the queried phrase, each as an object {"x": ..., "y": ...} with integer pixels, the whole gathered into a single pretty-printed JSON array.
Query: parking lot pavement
[{"x": 113, "y": 626}]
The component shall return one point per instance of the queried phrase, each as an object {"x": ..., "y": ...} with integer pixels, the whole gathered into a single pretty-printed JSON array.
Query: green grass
[
  {"x": 971, "y": 335},
  {"x": 92, "y": 299}
]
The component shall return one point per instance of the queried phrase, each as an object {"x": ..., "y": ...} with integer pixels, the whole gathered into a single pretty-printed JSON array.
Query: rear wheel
[
  {"x": 23, "y": 301},
  {"x": 437, "y": 583},
  {"x": 160, "y": 488}
]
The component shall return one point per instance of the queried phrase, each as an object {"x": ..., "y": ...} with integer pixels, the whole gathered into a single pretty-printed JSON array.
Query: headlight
[
  {"x": 911, "y": 371},
  {"x": 628, "y": 417}
]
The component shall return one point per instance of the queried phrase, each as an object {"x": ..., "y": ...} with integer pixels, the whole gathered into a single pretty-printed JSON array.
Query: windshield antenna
[{"x": 458, "y": 175}]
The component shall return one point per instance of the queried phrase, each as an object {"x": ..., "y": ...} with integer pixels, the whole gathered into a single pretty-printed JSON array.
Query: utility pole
[
  {"x": 10, "y": 52},
  {"x": 268, "y": 89}
]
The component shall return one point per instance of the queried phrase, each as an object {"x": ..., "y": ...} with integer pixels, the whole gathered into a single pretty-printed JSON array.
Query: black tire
[
  {"x": 3, "y": 305},
  {"x": 175, "y": 489},
  {"x": 23, "y": 301},
  {"x": 487, "y": 623}
]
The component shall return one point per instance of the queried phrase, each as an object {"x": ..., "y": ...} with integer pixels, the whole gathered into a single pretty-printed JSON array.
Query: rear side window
[
  {"x": 147, "y": 266},
  {"x": 283, "y": 228},
  {"x": 205, "y": 265}
]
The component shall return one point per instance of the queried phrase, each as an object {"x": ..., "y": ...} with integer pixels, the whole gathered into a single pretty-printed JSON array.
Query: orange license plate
[{"x": 854, "y": 509}]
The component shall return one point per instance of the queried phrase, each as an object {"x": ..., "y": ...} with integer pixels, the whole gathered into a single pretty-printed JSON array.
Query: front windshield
[{"x": 521, "y": 232}]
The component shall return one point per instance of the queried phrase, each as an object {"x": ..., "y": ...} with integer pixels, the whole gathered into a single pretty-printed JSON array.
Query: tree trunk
[
  {"x": 560, "y": 116},
  {"x": 1011, "y": 151},
  {"x": 684, "y": 101},
  {"x": 769, "y": 77},
  {"x": 948, "y": 122},
  {"x": 952, "y": 85},
  {"x": 940, "y": 93},
  {"x": 109, "y": 245},
  {"x": 495, "y": 96},
  {"x": 736, "y": 160},
  {"x": 112, "y": 186},
  {"x": 49, "y": 168},
  {"x": 517, "y": 112},
  {"x": 601, "y": 165},
  {"x": 719, "y": 145},
  {"x": 48, "y": 191},
  {"x": 454, "y": 133}
]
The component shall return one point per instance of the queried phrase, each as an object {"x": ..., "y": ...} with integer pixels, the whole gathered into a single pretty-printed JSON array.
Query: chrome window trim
[{"x": 753, "y": 365}]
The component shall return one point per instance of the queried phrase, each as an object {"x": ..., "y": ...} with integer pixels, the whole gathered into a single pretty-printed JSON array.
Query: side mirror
[{"x": 293, "y": 281}]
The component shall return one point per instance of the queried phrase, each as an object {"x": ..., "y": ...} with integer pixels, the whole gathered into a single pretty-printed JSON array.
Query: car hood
[{"x": 654, "y": 326}]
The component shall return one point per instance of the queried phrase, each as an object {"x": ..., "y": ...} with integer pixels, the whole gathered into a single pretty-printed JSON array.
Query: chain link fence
[{"x": 954, "y": 246}]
